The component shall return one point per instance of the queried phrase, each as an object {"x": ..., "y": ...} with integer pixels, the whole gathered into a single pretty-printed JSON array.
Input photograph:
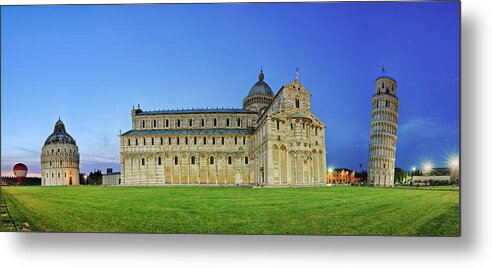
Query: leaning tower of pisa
[{"x": 384, "y": 123}]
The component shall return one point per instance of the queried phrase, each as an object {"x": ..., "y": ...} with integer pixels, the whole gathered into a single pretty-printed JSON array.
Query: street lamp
[{"x": 85, "y": 178}]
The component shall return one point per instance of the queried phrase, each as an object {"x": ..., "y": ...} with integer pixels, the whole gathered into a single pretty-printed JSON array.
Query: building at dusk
[
  {"x": 341, "y": 176},
  {"x": 384, "y": 123},
  {"x": 59, "y": 158},
  {"x": 273, "y": 140}
]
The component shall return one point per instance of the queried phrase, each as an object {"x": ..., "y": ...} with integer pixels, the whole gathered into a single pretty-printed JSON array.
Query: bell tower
[{"x": 384, "y": 123}]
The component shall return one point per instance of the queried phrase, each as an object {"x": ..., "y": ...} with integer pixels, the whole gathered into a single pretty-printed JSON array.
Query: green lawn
[{"x": 228, "y": 210}]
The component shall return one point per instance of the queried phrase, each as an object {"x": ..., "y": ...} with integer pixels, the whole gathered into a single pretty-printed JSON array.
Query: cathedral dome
[
  {"x": 259, "y": 95},
  {"x": 59, "y": 135}
]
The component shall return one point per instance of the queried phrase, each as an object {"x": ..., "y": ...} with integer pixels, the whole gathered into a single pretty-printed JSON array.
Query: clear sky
[{"x": 90, "y": 64}]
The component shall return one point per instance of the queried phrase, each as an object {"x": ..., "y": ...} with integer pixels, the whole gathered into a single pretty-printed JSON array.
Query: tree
[{"x": 400, "y": 175}]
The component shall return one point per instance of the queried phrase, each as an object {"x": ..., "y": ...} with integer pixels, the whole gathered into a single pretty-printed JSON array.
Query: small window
[
  {"x": 298, "y": 104},
  {"x": 239, "y": 122},
  {"x": 179, "y": 123},
  {"x": 229, "y": 160},
  {"x": 194, "y": 140},
  {"x": 155, "y": 123},
  {"x": 61, "y": 163},
  {"x": 278, "y": 125},
  {"x": 128, "y": 144},
  {"x": 162, "y": 141},
  {"x": 177, "y": 141},
  {"x": 136, "y": 142},
  {"x": 169, "y": 140},
  {"x": 50, "y": 163},
  {"x": 291, "y": 126},
  {"x": 211, "y": 160},
  {"x": 193, "y": 160},
  {"x": 143, "y": 123},
  {"x": 191, "y": 122},
  {"x": 246, "y": 160},
  {"x": 222, "y": 140},
  {"x": 204, "y": 140},
  {"x": 203, "y": 122},
  {"x": 167, "y": 123},
  {"x": 215, "y": 122},
  {"x": 152, "y": 141},
  {"x": 58, "y": 174},
  {"x": 175, "y": 160},
  {"x": 143, "y": 161},
  {"x": 244, "y": 140},
  {"x": 227, "y": 122},
  {"x": 143, "y": 141},
  {"x": 213, "y": 140},
  {"x": 235, "y": 140},
  {"x": 159, "y": 161},
  {"x": 186, "y": 140}
]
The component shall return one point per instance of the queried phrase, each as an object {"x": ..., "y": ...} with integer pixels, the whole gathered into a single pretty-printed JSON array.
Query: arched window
[
  {"x": 176, "y": 160},
  {"x": 215, "y": 122},
  {"x": 191, "y": 122},
  {"x": 162, "y": 141},
  {"x": 229, "y": 160},
  {"x": 239, "y": 122},
  {"x": 143, "y": 123},
  {"x": 193, "y": 160},
  {"x": 213, "y": 140},
  {"x": 222, "y": 140},
  {"x": 211, "y": 160},
  {"x": 194, "y": 140},
  {"x": 155, "y": 123},
  {"x": 128, "y": 144},
  {"x": 177, "y": 141},
  {"x": 61, "y": 163},
  {"x": 159, "y": 161},
  {"x": 204, "y": 140},
  {"x": 152, "y": 141},
  {"x": 246, "y": 160},
  {"x": 278, "y": 125},
  {"x": 298, "y": 104},
  {"x": 143, "y": 141},
  {"x": 235, "y": 140},
  {"x": 51, "y": 163},
  {"x": 203, "y": 122},
  {"x": 227, "y": 122},
  {"x": 291, "y": 126},
  {"x": 244, "y": 140},
  {"x": 186, "y": 140},
  {"x": 143, "y": 161},
  {"x": 167, "y": 123},
  {"x": 179, "y": 122},
  {"x": 169, "y": 140},
  {"x": 136, "y": 141}
]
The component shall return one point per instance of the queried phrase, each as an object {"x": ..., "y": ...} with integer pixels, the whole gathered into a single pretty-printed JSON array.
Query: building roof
[
  {"x": 59, "y": 135},
  {"x": 219, "y": 131},
  {"x": 112, "y": 173},
  {"x": 386, "y": 77},
  {"x": 196, "y": 110}
]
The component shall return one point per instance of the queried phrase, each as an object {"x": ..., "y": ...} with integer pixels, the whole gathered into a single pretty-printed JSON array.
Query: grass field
[{"x": 311, "y": 211}]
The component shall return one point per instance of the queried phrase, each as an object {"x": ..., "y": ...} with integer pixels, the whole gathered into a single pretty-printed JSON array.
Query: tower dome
[
  {"x": 59, "y": 135},
  {"x": 59, "y": 158},
  {"x": 260, "y": 96}
]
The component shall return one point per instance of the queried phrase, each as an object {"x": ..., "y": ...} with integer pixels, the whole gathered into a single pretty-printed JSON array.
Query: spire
[
  {"x": 297, "y": 73},
  {"x": 382, "y": 70},
  {"x": 261, "y": 76}
]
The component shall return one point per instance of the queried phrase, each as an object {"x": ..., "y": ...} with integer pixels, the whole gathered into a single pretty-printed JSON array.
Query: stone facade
[
  {"x": 274, "y": 140},
  {"x": 384, "y": 123},
  {"x": 59, "y": 159}
]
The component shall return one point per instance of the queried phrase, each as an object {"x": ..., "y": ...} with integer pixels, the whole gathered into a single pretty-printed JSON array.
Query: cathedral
[
  {"x": 273, "y": 140},
  {"x": 59, "y": 158}
]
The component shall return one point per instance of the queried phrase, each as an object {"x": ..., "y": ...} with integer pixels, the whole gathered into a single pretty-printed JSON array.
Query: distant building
[
  {"x": 273, "y": 140},
  {"x": 59, "y": 158},
  {"x": 384, "y": 123},
  {"x": 111, "y": 178},
  {"x": 437, "y": 175},
  {"x": 341, "y": 176}
]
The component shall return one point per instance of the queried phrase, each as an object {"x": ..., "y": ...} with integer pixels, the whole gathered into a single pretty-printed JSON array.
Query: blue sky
[{"x": 90, "y": 64}]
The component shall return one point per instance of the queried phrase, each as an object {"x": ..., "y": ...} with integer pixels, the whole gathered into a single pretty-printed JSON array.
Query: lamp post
[{"x": 85, "y": 178}]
